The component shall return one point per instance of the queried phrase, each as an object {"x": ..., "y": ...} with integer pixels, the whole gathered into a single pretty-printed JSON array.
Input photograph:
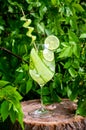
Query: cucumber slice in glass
[
  {"x": 50, "y": 65},
  {"x": 42, "y": 70},
  {"x": 36, "y": 77}
]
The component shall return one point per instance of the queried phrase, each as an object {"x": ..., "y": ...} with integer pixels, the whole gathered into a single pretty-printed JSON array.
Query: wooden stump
[{"x": 63, "y": 117}]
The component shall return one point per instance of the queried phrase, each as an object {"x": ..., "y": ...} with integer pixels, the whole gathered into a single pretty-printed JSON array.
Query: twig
[
  {"x": 23, "y": 12},
  {"x": 18, "y": 57}
]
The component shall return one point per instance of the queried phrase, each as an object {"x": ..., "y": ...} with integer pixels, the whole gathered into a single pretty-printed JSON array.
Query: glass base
[{"x": 41, "y": 112}]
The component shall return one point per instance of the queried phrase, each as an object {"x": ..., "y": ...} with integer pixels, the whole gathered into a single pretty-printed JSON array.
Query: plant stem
[
  {"x": 23, "y": 12},
  {"x": 8, "y": 51}
]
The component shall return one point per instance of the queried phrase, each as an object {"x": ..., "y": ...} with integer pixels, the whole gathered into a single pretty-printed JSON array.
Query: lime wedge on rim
[
  {"x": 48, "y": 55},
  {"x": 51, "y": 42}
]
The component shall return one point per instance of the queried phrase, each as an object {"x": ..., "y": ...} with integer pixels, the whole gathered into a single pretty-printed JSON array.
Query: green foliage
[
  {"x": 64, "y": 18},
  {"x": 10, "y": 103}
]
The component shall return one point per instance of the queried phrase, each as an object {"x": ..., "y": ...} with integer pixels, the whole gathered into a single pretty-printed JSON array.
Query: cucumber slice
[
  {"x": 44, "y": 72},
  {"x": 48, "y": 55},
  {"x": 50, "y": 65},
  {"x": 27, "y": 23},
  {"x": 36, "y": 77},
  {"x": 51, "y": 42}
]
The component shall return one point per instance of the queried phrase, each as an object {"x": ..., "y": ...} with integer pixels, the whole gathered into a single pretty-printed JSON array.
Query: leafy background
[{"x": 64, "y": 18}]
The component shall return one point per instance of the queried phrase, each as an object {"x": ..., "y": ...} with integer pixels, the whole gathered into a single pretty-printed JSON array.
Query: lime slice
[
  {"x": 51, "y": 42},
  {"x": 48, "y": 55}
]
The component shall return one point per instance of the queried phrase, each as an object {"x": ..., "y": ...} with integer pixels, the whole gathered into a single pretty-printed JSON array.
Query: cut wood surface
[{"x": 62, "y": 117}]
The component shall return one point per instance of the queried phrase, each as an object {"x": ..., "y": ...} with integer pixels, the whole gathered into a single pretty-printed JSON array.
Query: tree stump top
[{"x": 63, "y": 116}]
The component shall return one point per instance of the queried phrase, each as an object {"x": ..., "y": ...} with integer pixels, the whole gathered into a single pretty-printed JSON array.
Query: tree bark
[{"x": 62, "y": 117}]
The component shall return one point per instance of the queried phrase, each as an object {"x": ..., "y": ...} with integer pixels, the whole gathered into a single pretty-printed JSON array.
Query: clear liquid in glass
[{"x": 42, "y": 111}]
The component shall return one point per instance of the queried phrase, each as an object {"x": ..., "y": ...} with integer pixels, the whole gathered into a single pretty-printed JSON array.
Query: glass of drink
[{"x": 42, "y": 68}]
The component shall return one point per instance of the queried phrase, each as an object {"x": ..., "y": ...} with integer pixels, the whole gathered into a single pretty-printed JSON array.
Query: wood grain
[{"x": 62, "y": 117}]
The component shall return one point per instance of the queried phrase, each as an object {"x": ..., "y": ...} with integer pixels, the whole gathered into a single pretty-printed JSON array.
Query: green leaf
[
  {"x": 22, "y": 88},
  {"x": 81, "y": 110},
  {"x": 13, "y": 115},
  {"x": 67, "y": 64},
  {"x": 76, "y": 50},
  {"x": 16, "y": 113},
  {"x": 64, "y": 44},
  {"x": 46, "y": 100},
  {"x": 42, "y": 11},
  {"x": 40, "y": 28},
  {"x": 17, "y": 95},
  {"x": 66, "y": 52},
  {"x": 55, "y": 97},
  {"x": 20, "y": 118},
  {"x": 53, "y": 2},
  {"x": 3, "y": 83},
  {"x": 1, "y": 28},
  {"x": 69, "y": 91},
  {"x": 72, "y": 72},
  {"x": 73, "y": 37},
  {"x": 4, "y": 110},
  {"x": 45, "y": 91},
  {"x": 10, "y": 93},
  {"x": 83, "y": 35},
  {"x": 19, "y": 77},
  {"x": 78, "y": 7},
  {"x": 75, "y": 64},
  {"x": 28, "y": 85}
]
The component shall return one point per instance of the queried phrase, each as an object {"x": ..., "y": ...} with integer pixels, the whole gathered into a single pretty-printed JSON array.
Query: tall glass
[{"x": 42, "y": 68}]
